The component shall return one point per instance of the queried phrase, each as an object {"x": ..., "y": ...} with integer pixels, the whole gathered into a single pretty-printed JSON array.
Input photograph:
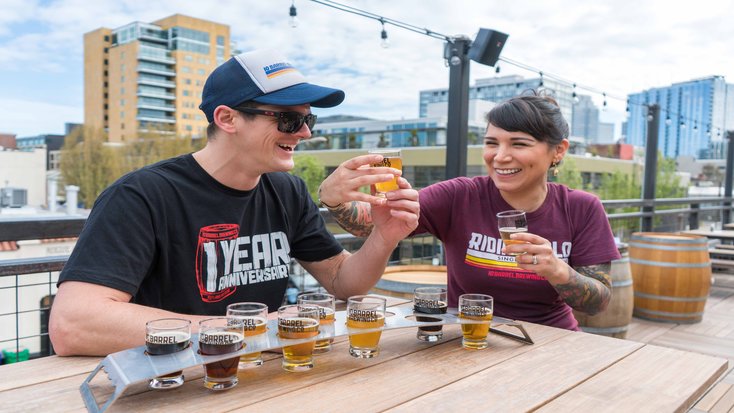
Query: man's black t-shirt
[{"x": 175, "y": 238}]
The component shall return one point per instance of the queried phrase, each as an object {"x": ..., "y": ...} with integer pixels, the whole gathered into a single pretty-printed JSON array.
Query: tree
[
  {"x": 87, "y": 163},
  {"x": 312, "y": 171},
  {"x": 569, "y": 174}
]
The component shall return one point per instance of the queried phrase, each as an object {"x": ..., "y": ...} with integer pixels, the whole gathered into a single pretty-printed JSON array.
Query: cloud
[{"x": 29, "y": 118}]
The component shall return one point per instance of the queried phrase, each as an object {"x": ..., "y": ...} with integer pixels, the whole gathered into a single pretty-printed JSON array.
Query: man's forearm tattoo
[
  {"x": 588, "y": 289},
  {"x": 354, "y": 217}
]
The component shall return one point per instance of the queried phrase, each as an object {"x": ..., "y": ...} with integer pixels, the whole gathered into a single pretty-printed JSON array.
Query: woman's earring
[{"x": 554, "y": 165}]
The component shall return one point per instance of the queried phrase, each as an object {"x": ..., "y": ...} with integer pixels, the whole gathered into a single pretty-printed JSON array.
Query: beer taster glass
[
  {"x": 298, "y": 321},
  {"x": 392, "y": 159},
  {"x": 325, "y": 304},
  {"x": 429, "y": 300},
  {"x": 255, "y": 319},
  {"x": 221, "y": 335},
  {"x": 511, "y": 222},
  {"x": 475, "y": 307},
  {"x": 167, "y": 336},
  {"x": 365, "y": 312}
]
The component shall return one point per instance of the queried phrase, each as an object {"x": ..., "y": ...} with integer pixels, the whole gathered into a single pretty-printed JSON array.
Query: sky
[{"x": 619, "y": 47}]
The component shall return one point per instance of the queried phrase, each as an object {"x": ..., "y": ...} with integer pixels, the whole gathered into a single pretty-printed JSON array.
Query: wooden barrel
[
  {"x": 672, "y": 276},
  {"x": 402, "y": 280},
  {"x": 615, "y": 320}
]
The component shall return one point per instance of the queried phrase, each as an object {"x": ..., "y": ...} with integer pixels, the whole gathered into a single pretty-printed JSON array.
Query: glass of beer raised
[
  {"x": 511, "y": 222},
  {"x": 365, "y": 312},
  {"x": 167, "y": 336},
  {"x": 475, "y": 307},
  {"x": 429, "y": 300},
  {"x": 390, "y": 158},
  {"x": 298, "y": 321},
  {"x": 221, "y": 335},
  {"x": 255, "y": 319},
  {"x": 325, "y": 303}
]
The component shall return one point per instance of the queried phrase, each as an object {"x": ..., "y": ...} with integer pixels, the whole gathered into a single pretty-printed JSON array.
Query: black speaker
[{"x": 487, "y": 46}]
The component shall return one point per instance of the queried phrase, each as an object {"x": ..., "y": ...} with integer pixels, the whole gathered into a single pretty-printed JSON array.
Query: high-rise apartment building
[
  {"x": 149, "y": 76},
  {"x": 695, "y": 116},
  {"x": 502, "y": 88}
]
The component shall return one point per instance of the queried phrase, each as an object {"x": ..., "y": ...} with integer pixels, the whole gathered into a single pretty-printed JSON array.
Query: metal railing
[{"x": 19, "y": 275}]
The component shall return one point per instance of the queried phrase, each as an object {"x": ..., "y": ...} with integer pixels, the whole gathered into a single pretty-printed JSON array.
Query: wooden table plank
[
  {"x": 652, "y": 379},
  {"x": 722, "y": 347},
  {"x": 44, "y": 370},
  {"x": 390, "y": 384},
  {"x": 522, "y": 383},
  {"x": 708, "y": 401}
]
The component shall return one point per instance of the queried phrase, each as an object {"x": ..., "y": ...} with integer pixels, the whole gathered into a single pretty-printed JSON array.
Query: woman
[{"x": 565, "y": 260}]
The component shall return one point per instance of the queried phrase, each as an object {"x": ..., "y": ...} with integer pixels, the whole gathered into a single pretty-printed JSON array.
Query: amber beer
[
  {"x": 391, "y": 159},
  {"x": 326, "y": 305},
  {"x": 217, "y": 336},
  {"x": 477, "y": 307},
  {"x": 365, "y": 312},
  {"x": 255, "y": 318},
  {"x": 512, "y": 222},
  {"x": 429, "y": 300},
  {"x": 167, "y": 336},
  {"x": 298, "y": 322}
]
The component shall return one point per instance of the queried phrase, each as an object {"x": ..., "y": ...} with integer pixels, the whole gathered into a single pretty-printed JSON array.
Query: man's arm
[
  {"x": 355, "y": 217},
  {"x": 94, "y": 320}
]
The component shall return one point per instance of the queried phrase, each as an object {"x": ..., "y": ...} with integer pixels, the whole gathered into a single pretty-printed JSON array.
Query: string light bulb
[
  {"x": 293, "y": 20},
  {"x": 540, "y": 84},
  {"x": 497, "y": 68},
  {"x": 604, "y": 104},
  {"x": 384, "y": 42},
  {"x": 667, "y": 120},
  {"x": 574, "y": 95}
]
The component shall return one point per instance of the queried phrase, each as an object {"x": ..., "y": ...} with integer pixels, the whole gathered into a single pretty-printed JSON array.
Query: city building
[
  {"x": 7, "y": 141},
  {"x": 52, "y": 143},
  {"x": 502, "y": 88},
  {"x": 339, "y": 132},
  {"x": 24, "y": 172},
  {"x": 149, "y": 76},
  {"x": 694, "y": 117}
]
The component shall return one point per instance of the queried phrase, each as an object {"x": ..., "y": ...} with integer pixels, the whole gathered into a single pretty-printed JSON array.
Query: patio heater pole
[
  {"x": 458, "y": 106},
  {"x": 651, "y": 167},
  {"x": 726, "y": 212}
]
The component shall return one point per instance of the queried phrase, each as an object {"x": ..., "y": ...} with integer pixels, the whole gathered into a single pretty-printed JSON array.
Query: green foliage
[
  {"x": 87, "y": 163},
  {"x": 312, "y": 171},
  {"x": 569, "y": 174}
]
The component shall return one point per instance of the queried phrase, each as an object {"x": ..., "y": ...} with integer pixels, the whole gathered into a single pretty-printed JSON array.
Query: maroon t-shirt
[{"x": 461, "y": 213}]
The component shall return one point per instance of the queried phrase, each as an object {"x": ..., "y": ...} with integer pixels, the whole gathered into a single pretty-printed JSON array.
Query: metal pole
[
  {"x": 651, "y": 166},
  {"x": 726, "y": 213},
  {"x": 458, "y": 107}
]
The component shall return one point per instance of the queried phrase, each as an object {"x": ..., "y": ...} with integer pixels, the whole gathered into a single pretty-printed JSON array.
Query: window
[{"x": 122, "y": 102}]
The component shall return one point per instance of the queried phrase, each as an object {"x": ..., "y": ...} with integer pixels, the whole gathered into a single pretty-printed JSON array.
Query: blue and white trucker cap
[{"x": 265, "y": 77}]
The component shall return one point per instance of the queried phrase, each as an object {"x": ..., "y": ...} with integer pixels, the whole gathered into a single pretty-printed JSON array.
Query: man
[{"x": 189, "y": 235}]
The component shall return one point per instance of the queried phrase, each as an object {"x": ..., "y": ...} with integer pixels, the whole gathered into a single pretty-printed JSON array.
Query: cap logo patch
[{"x": 278, "y": 69}]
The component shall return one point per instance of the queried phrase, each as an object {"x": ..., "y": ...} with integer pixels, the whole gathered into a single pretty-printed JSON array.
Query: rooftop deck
[{"x": 713, "y": 336}]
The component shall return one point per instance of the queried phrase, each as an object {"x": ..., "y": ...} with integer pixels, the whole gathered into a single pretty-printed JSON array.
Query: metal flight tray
[{"x": 134, "y": 366}]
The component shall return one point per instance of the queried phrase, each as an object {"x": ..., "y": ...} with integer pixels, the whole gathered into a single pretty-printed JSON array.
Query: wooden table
[{"x": 563, "y": 371}]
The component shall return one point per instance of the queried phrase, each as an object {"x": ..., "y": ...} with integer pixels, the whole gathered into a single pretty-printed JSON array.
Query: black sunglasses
[{"x": 288, "y": 122}]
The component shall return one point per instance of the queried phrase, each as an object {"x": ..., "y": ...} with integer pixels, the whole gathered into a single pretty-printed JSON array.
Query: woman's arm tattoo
[
  {"x": 354, "y": 217},
  {"x": 588, "y": 289}
]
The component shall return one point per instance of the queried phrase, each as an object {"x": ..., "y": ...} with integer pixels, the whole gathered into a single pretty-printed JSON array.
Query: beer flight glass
[
  {"x": 475, "y": 307},
  {"x": 255, "y": 319},
  {"x": 429, "y": 300},
  {"x": 295, "y": 322},
  {"x": 365, "y": 312},
  {"x": 511, "y": 222},
  {"x": 221, "y": 335},
  {"x": 392, "y": 159},
  {"x": 167, "y": 336},
  {"x": 326, "y": 305}
]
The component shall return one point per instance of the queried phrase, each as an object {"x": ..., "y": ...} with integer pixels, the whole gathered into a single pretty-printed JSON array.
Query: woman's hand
[{"x": 537, "y": 255}]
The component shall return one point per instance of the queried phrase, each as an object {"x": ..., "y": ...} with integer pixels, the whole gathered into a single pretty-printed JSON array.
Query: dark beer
[
  {"x": 163, "y": 342},
  {"x": 167, "y": 336},
  {"x": 215, "y": 343},
  {"x": 436, "y": 307}
]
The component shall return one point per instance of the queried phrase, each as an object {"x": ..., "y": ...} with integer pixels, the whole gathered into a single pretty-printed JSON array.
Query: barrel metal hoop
[
  {"x": 672, "y": 264},
  {"x": 669, "y": 298},
  {"x": 671, "y": 247},
  {"x": 667, "y": 313},
  {"x": 682, "y": 240},
  {"x": 613, "y": 330},
  {"x": 621, "y": 283}
]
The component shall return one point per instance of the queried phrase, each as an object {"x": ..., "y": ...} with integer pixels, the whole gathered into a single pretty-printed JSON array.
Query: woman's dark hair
[{"x": 535, "y": 114}]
